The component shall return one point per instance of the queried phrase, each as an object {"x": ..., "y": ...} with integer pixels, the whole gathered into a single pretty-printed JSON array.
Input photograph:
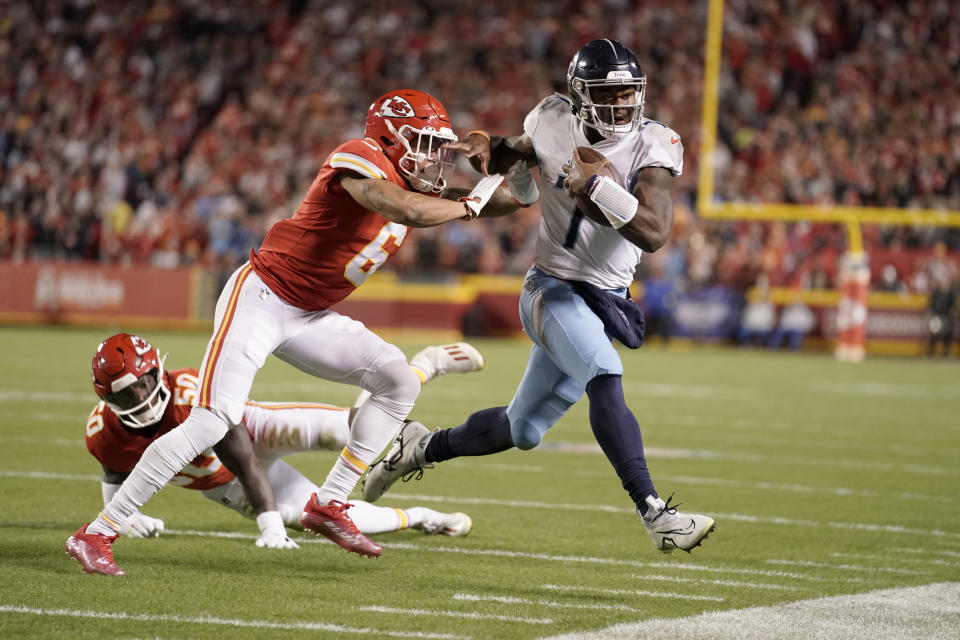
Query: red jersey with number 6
[
  {"x": 119, "y": 448},
  {"x": 316, "y": 258}
]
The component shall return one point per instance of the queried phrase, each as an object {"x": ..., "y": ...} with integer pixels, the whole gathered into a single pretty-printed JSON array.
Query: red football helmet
[
  {"x": 412, "y": 128},
  {"x": 128, "y": 375}
]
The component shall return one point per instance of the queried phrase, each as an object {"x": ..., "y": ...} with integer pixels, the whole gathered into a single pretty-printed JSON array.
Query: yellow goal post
[{"x": 707, "y": 207}]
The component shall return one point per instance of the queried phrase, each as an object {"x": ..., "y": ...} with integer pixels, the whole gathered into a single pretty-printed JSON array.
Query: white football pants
[{"x": 250, "y": 323}]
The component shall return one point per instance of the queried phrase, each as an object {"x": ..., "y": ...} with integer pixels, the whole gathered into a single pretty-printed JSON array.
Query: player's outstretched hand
[
  {"x": 475, "y": 148},
  {"x": 273, "y": 533},
  {"x": 141, "y": 526}
]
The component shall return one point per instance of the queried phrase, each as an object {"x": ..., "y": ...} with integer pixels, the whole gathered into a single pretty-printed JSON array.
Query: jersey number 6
[{"x": 372, "y": 256}]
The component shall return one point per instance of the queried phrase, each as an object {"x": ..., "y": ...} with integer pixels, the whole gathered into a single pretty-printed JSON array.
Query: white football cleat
[
  {"x": 670, "y": 529},
  {"x": 404, "y": 459},
  {"x": 447, "y": 524},
  {"x": 439, "y": 360}
]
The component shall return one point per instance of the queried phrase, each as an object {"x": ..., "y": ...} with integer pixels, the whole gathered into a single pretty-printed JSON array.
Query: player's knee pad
[
  {"x": 527, "y": 430},
  {"x": 526, "y": 434},
  {"x": 394, "y": 388}
]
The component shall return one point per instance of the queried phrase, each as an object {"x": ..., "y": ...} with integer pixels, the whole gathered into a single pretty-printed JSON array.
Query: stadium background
[{"x": 146, "y": 146}]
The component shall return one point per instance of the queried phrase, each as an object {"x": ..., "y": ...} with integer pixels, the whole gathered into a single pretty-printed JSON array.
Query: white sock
[
  {"x": 376, "y": 424},
  {"x": 343, "y": 477},
  {"x": 417, "y": 515},
  {"x": 371, "y": 519}
]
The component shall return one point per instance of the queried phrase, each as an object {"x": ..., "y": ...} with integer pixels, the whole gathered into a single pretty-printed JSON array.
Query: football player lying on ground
[{"x": 140, "y": 401}]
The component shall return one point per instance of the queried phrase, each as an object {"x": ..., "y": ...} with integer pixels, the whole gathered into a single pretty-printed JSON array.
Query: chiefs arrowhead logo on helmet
[
  {"x": 140, "y": 345},
  {"x": 396, "y": 107}
]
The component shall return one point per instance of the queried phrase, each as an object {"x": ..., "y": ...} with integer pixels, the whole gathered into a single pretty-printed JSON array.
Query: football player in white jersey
[{"x": 578, "y": 258}]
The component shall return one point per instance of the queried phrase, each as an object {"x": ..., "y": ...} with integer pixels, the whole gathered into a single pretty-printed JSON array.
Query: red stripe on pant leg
[{"x": 210, "y": 364}]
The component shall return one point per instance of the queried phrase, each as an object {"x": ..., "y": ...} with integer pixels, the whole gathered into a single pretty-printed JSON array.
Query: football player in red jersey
[
  {"x": 141, "y": 401},
  {"x": 354, "y": 216}
]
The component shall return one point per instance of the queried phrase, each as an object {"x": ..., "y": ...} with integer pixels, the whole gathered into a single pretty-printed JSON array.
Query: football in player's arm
[
  {"x": 591, "y": 237},
  {"x": 649, "y": 213}
]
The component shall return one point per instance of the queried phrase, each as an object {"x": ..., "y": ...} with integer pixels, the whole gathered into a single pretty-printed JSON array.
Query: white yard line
[
  {"x": 800, "y": 488},
  {"x": 738, "y": 517},
  {"x": 935, "y": 552},
  {"x": 812, "y": 460},
  {"x": 545, "y": 557},
  {"x": 528, "y": 504},
  {"x": 44, "y": 416},
  {"x": 931, "y": 611},
  {"x": 48, "y": 475},
  {"x": 845, "y": 567},
  {"x": 474, "y": 597},
  {"x": 720, "y": 482},
  {"x": 503, "y": 553},
  {"x": 883, "y": 389},
  {"x": 57, "y": 442},
  {"x": 227, "y": 622},
  {"x": 888, "y": 528},
  {"x": 688, "y": 391},
  {"x": 453, "y": 614},
  {"x": 722, "y": 583},
  {"x": 631, "y": 592},
  {"x": 892, "y": 557},
  {"x": 45, "y": 397}
]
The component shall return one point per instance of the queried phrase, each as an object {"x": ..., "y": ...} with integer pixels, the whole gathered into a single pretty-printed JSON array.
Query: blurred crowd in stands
[{"x": 174, "y": 132}]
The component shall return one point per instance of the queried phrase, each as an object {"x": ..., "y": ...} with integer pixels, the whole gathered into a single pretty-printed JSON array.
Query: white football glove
[
  {"x": 141, "y": 526},
  {"x": 481, "y": 194},
  {"x": 273, "y": 535},
  {"x": 522, "y": 186}
]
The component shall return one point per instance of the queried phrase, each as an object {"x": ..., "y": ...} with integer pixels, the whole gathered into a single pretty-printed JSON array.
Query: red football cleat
[
  {"x": 331, "y": 520},
  {"x": 93, "y": 551}
]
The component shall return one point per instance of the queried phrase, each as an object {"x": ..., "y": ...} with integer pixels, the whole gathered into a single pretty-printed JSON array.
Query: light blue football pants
[{"x": 570, "y": 348}]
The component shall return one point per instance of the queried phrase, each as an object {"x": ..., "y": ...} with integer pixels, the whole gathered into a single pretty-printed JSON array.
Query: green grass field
[{"x": 825, "y": 479}]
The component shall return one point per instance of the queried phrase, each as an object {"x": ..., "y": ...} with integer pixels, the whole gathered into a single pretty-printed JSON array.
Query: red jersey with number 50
[
  {"x": 331, "y": 244},
  {"x": 118, "y": 448}
]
